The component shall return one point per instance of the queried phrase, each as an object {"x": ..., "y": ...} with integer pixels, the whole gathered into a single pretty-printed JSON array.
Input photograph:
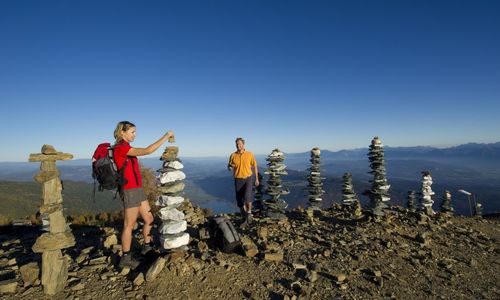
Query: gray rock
[{"x": 155, "y": 269}]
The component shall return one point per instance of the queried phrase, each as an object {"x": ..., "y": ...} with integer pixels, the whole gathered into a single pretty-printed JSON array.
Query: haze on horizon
[{"x": 286, "y": 74}]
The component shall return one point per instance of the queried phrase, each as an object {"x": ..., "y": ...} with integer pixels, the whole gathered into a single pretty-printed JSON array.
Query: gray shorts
[
  {"x": 243, "y": 187},
  {"x": 132, "y": 197}
]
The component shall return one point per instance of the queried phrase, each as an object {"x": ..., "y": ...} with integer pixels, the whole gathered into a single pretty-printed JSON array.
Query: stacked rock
[
  {"x": 258, "y": 203},
  {"x": 350, "y": 200},
  {"x": 446, "y": 206},
  {"x": 427, "y": 193},
  {"x": 478, "y": 210},
  {"x": 50, "y": 244},
  {"x": 315, "y": 186},
  {"x": 171, "y": 185},
  {"x": 411, "y": 201},
  {"x": 379, "y": 190},
  {"x": 274, "y": 206}
]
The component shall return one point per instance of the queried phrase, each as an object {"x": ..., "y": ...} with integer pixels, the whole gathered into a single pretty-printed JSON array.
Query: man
[{"x": 241, "y": 163}]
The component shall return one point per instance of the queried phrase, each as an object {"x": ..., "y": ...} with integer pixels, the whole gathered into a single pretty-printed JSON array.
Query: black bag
[
  {"x": 224, "y": 234},
  {"x": 104, "y": 169}
]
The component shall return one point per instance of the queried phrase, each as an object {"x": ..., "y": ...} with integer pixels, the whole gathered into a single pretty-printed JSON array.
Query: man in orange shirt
[{"x": 241, "y": 163}]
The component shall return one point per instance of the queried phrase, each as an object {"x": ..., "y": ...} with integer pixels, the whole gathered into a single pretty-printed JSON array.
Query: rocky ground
[{"x": 325, "y": 255}]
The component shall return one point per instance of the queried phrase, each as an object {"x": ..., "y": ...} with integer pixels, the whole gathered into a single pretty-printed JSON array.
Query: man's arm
[
  {"x": 230, "y": 166},
  {"x": 256, "y": 172}
]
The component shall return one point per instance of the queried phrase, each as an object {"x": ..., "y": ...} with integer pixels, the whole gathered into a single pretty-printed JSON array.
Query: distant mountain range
[{"x": 473, "y": 167}]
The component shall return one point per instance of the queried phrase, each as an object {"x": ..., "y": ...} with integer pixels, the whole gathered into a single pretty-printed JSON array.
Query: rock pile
[
  {"x": 274, "y": 206},
  {"x": 171, "y": 185},
  {"x": 315, "y": 181},
  {"x": 478, "y": 210},
  {"x": 426, "y": 193},
  {"x": 446, "y": 206},
  {"x": 379, "y": 190},
  {"x": 411, "y": 203},
  {"x": 50, "y": 244},
  {"x": 258, "y": 204},
  {"x": 349, "y": 198}
]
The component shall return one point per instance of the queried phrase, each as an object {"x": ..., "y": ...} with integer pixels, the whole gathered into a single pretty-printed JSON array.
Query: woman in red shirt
[{"x": 132, "y": 194}]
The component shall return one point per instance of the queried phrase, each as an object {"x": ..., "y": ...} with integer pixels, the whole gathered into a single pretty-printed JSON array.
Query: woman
[{"x": 132, "y": 194}]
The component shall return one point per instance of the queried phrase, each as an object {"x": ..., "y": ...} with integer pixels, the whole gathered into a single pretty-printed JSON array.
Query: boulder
[
  {"x": 8, "y": 286},
  {"x": 155, "y": 269},
  {"x": 30, "y": 273}
]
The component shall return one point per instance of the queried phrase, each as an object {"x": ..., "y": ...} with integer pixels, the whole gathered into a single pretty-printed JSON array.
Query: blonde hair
[{"x": 120, "y": 127}]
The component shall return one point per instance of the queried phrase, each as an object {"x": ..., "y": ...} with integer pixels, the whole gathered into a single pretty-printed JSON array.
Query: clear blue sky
[{"x": 287, "y": 74}]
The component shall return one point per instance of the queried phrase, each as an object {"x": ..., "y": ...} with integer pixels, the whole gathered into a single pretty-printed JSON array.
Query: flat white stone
[
  {"x": 172, "y": 201},
  {"x": 171, "y": 214},
  {"x": 174, "y": 242},
  {"x": 169, "y": 177},
  {"x": 173, "y": 227}
]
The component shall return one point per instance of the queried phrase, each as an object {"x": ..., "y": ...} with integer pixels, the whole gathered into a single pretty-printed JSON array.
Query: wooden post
[{"x": 54, "y": 265}]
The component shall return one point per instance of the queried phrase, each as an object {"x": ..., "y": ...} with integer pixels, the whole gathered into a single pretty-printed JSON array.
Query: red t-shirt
[{"x": 131, "y": 172}]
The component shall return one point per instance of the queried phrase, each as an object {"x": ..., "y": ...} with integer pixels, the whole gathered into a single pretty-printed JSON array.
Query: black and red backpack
[{"x": 104, "y": 169}]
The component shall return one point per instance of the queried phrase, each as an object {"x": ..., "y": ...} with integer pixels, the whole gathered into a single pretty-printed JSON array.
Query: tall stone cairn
[
  {"x": 258, "y": 203},
  {"x": 411, "y": 199},
  {"x": 378, "y": 193},
  {"x": 314, "y": 179},
  {"x": 350, "y": 200},
  {"x": 274, "y": 206},
  {"x": 427, "y": 193},
  {"x": 446, "y": 206},
  {"x": 54, "y": 265},
  {"x": 170, "y": 182}
]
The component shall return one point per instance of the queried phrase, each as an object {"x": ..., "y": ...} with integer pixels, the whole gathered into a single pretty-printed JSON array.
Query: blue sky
[{"x": 287, "y": 74}]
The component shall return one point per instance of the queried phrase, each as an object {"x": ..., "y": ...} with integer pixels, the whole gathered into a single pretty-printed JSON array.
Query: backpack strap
[{"x": 121, "y": 171}]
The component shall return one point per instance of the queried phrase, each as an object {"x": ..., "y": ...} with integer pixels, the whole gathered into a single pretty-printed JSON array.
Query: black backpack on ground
[{"x": 224, "y": 234}]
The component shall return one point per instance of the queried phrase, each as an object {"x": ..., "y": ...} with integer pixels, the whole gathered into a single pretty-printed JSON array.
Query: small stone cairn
[
  {"x": 478, "y": 210},
  {"x": 426, "y": 193},
  {"x": 315, "y": 181},
  {"x": 350, "y": 200},
  {"x": 274, "y": 206},
  {"x": 379, "y": 191},
  {"x": 50, "y": 244},
  {"x": 170, "y": 183},
  {"x": 411, "y": 199},
  {"x": 446, "y": 206}
]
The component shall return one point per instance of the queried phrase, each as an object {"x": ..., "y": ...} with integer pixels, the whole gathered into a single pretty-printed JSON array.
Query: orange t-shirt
[{"x": 242, "y": 163}]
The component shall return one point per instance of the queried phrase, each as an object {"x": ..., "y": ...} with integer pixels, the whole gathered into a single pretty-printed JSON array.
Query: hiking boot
[
  {"x": 146, "y": 248},
  {"x": 244, "y": 224},
  {"x": 128, "y": 261},
  {"x": 249, "y": 219}
]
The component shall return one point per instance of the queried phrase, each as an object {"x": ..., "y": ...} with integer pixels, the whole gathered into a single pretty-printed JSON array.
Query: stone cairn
[
  {"x": 258, "y": 203},
  {"x": 350, "y": 200},
  {"x": 446, "y": 206},
  {"x": 379, "y": 190},
  {"x": 54, "y": 265},
  {"x": 170, "y": 183},
  {"x": 275, "y": 207},
  {"x": 315, "y": 182},
  {"x": 478, "y": 210},
  {"x": 411, "y": 201},
  {"x": 426, "y": 194}
]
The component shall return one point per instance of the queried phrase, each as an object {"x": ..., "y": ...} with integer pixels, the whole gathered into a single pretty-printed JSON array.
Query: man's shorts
[
  {"x": 132, "y": 197},
  {"x": 243, "y": 188}
]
